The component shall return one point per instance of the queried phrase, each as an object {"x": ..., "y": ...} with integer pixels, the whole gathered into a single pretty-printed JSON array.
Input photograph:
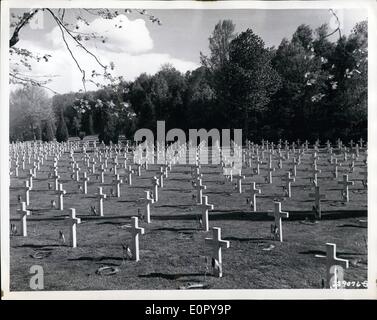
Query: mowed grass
[{"x": 173, "y": 249}]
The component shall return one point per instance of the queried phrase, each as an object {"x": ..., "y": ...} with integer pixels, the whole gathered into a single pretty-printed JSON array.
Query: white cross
[
  {"x": 93, "y": 166},
  {"x": 149, "y": 201},
  {"x": 239, "y": 179},
  {"x": 77, "y": 171},
  {"x": 23, "y": 213},
  {"x": 270, "y": 170},
  {"x": 61, "y": 193},
  {"x": 117, "y": 180},
  {"x": 259, "y": 162},
  {"x": 205, "y": 207},
  {"x": 195, "y": 172},
  {"x": 102, "y": 172},
  {"x": 335, "y": 164},
  {"x": 280, "y": 158},
  {"x": 138, "y": 169},
  {"x": 278, "y": 214},
  {"x": 315, "y": 171},
  {"x": 345, "y": 184},
  {"x": 288, "y": 180},
  {"x": 56, "y": 178},
  {"x": 294, "y": 168},
  {"x": 199, "y": 190},
  {"x": 155, "y": 183},
  {"x": 317, "y": 196},
  {"x": 135, "y": 231},
  {"x": 27, "y": 193},
  {"x": 85, "y": 180},
  {"x": 31, "y": 176},
  {"x": 254, "y": 191},
  {"x": 332, "y": 266},
  {"x": 129, "y": 171},
  {"x": 101, "y": 197},
  {"x": 217, "y": 244},
  {"x": 161, "y": 177},
  {"x": 73, "y": 221}
]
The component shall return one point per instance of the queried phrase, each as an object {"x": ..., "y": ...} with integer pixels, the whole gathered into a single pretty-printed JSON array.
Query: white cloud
[
  {"x": 127, "y": 65},
  {"x": 121, "y": 35},
  {"x": 129, "y": 48}
]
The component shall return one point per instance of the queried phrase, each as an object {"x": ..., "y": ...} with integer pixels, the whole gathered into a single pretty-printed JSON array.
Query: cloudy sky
[{"x": 142, "y": 46}]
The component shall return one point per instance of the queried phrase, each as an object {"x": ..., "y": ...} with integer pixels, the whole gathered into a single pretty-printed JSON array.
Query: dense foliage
[{"x": 307, "y": 88}]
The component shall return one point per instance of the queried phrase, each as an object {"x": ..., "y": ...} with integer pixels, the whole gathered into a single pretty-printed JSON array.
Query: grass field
[{"x": 173, "y": 250}]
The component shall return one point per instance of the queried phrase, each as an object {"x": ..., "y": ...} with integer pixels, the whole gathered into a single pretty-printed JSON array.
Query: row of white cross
[{"x": 216, "y": 240}]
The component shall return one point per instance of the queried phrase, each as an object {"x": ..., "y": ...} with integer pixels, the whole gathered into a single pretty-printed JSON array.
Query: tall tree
[
  {"x": 30, "y": 109},
  {"x": 61, "y": 130},
  {"x": 219, "y": 43},
  {"x": 249, "y": 80},
  {"x": 294, "y": 109}
]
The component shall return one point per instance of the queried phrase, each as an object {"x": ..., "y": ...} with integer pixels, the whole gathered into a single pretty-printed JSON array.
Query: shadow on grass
[
  {"x": 39, "y": 246},
  {"x": 42, "y": 210},
  {"x": 179, "y": 179},
  {"x": 178, "y": 190},
  {"x": 95, "y": 258},
  {"x": 263, "y": 216},
  {"x": 229, "y": 215},
  {"x": 246, "y": 239},
  {"x": 228, "y": 194},
  {"x": 338, "y": 253},
  {"x": 126, "y": 201},
  {"x": 110, "y": 223},
  {"x": 351, "y": 226},
  {"x": 182, "y": 206},
  {"x": 176, "y": 229},
  {"x": 171, "y": 276}
]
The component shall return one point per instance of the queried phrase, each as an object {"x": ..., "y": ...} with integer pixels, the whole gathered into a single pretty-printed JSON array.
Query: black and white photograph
[{"x": 176, "y": 148}]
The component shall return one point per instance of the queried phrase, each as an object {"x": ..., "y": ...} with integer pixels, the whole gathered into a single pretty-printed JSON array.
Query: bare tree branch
[
  {"x": 24, "y": 21},
  {"x": 25, "y": 80},
  {"x": 73, "y": 37},
  {"x": 338, "y": 28},
  {"x": 66, "y": 29},
  {"x": 69, "y": 49}
]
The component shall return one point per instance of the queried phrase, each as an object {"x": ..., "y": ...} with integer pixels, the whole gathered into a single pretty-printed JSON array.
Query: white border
[{"x": 239, "y": 294}]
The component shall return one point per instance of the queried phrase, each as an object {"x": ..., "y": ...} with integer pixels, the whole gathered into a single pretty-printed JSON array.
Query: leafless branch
[
  {"x": 338, "y": 28},
  {"x": 69, "y": 49},
  {"x": 24, "y": 21},
  {"x": 73, "y": 37},
  {"x": 25, "y": 80}
]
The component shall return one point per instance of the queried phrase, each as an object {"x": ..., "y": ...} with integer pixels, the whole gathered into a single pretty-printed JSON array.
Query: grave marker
[
  {"x": 135, "y": 232},
  {"x": 334, "y": 267},
  {"x": 254, "y": 191},
  {"x": 117, "y": 180},
  {"x": 101, "y": 197},
  {"x": 288, "y": 180},
  {"x": 278, "y": 215},
  {"x": 73, "y": 221},
  {"x": 23, "y": 223},
  {"x": 217, "y": 244},
  {"x": 149, "y": 201},
  {"x": 204, "y": 206},
  {"x": 61, "y": 193},
  {"x": 317, "y": 202},
  {"x": 345, "y": 182}
]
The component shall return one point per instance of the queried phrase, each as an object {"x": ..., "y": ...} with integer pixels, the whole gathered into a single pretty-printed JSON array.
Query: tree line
[{"x": 309, "y": 87}]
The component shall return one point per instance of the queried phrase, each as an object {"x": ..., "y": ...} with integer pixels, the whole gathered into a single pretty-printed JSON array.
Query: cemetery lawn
[{"x": 173, "y": 250}]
